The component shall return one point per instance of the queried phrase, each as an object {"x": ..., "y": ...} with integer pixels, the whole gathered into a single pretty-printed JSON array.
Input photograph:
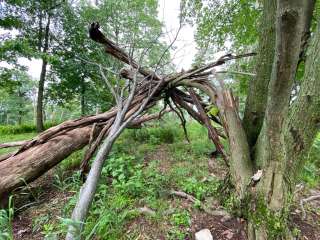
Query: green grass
[
  {"x": 24, "y": 128},
  {"x": 311, "y": 170},
  {"x": 145, "y": 164},
  {"x": 4, "y": 138},
  {"x": 135, "y": 176}
]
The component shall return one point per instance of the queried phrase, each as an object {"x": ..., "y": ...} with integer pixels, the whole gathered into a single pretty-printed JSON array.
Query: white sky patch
[
  {"x": 185, "y": 46},
  {"x": 34, "y": 66}
]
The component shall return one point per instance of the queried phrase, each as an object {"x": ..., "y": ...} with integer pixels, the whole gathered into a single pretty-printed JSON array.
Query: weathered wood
[
  {"x": 53, "y": 145},
  {"x": 213, "y": 133},
  {"x": 32, "y": 163},
  {"x": 12, "y": 144}
]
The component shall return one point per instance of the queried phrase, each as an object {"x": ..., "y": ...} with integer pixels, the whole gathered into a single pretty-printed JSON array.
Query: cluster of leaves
[
  {"x": 16, "y": 89},
  {"x": 72, "y": 77},
  {"x": 223, "y": 25},
  {"x": 156, "y": 135}
]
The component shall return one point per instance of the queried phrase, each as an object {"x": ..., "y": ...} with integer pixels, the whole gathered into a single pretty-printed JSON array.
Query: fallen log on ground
[
  {"x": 33, "y": 162},
  {"x": 55, "y": 144}
]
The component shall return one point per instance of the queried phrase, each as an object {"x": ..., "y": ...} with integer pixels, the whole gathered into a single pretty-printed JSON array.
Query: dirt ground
[{"x": 51, "y": 200}]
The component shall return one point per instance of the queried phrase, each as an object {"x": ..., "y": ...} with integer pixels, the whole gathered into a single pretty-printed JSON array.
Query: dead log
[
  {"x": 55, "y": 144},
  {"x": 32, "y": 163},
  {"x": 12, "y": 144}
]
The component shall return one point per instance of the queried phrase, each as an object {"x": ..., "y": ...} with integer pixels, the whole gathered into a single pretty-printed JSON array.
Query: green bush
[
  {"x": 156, "y": 135},
  {"x": 24, "y": 128}
]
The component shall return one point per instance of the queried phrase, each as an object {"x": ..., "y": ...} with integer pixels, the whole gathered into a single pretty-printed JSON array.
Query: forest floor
[{"x": 135, "y": 200}]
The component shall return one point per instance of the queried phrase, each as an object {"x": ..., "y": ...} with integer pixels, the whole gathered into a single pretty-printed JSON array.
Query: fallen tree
[
  {"x": 60, "y": 134},
  {"x": 271, "y": 140}
]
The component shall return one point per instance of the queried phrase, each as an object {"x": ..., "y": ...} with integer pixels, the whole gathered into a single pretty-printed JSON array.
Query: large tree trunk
[
  {"x": 258, "y": 90},
  {"x": 39, "y": 117},
  {"x": 35, "y": 161},
  {"x": 270, "y": 197}
]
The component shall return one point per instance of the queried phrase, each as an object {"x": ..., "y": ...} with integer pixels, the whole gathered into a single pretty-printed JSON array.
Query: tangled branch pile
[{"x": 38, "y": 155}]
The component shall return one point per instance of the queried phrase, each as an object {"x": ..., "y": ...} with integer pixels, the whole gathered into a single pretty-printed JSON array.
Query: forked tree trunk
[{"x": 285, "y": 136}]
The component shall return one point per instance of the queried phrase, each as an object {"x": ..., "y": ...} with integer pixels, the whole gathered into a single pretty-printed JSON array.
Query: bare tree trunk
[
  {"x": 89, "y": 188},
  {"x": 39, "y": 118},
  {"x": 82, "y": 97},
  {"x": 20, "y": 112}
]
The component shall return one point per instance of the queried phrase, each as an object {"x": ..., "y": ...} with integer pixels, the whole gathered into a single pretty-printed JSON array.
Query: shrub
[
  {"x": 24, "y": 128},
  {"x": 156, "y": 135}
]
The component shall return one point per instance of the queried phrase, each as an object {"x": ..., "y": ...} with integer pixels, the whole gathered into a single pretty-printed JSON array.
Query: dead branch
[
  {"x": 12, "y": 144},
  {"x": 56, "y": 143},
  {"x": 305, "y": 200},
  {"x": 184, "y": 195},
  {"x": 213, "y": 133}
]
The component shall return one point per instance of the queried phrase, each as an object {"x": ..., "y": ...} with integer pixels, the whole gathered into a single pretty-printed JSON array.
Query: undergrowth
[{"x": 136, "y": 175}]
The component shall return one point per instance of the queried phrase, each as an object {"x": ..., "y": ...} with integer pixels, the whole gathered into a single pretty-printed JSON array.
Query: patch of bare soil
[
  {"x": 40, "y": 198},
  {"x": 48, "y": 200},
  {"x": 146, "y": 229},
  {"x": 162, "y": 155},
  {"x": 310, "y": 226},
  {"x": 220, "y": 228}
]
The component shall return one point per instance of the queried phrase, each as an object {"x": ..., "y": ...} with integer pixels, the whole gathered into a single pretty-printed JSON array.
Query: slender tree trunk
[
  {"x": 20, "y": 112},
  {"x": 39, "y": 118},
  {"x": 82, "y": 97}
]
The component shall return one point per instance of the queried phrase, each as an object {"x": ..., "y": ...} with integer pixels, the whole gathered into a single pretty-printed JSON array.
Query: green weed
[{"x": 6, "y": 217}]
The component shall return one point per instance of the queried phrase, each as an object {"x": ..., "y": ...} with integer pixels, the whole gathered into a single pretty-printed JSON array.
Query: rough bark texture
[
  {"x": 271, "y": 153},
  {"x": 271, "y": 145},
  {"x": 258, "y": 90},
  {"x": 35, "y": 161},
  {"x": 240, "y": 163},
  {"x": 304, "y": 119}
]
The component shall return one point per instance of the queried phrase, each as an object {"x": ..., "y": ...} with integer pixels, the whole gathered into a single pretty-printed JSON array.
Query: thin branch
[
  {"x": 239, "y": 73},
  {"x": 12, "y": 144},
  {"x": 305, "y": 200}
]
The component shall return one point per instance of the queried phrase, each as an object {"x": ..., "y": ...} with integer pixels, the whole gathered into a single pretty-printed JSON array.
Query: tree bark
[
  {"x": 35, "y": 161},
  {"x": 241, "y": 168},
  {"x": 258, "y": 90},
  {"x": 20, "y": 112},
  {"x": 303, "y": 122},
  {"x": 271, "y": 145},
  {"x": 39, "y": 118},
  {"x": 272, "y": 191}
]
